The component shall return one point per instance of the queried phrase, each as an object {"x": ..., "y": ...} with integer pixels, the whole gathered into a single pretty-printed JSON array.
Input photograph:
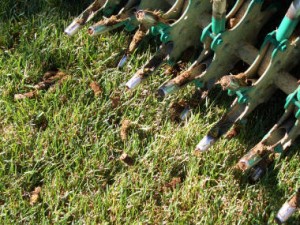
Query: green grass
[{"x": 75, "y": 160}]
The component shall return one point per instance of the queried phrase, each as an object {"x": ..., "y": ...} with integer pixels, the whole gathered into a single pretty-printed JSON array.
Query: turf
[{"x": 66, "y": 141}]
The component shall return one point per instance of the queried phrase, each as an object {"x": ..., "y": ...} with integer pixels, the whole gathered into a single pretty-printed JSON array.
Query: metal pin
[
  {"x": 73, "y": 28},
  {"x": 285, "y": 213},
  {"x": 249, "y": 160},
  {"x": 133, "y": 82},
  {"x": 205, "y": 143},
  {"x": 185, "y": 113},
  {"x": 257, "y": 174},
  {"x": 100, "y": 29},
  {"x": 123, "y": 61},
  {"x": 167, "y": 89}
]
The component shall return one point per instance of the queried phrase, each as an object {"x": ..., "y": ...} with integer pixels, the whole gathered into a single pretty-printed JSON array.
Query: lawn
[{"x": 63, "y": 158}]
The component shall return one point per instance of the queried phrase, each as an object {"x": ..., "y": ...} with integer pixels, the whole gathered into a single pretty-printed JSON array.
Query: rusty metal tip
[
  {"x": 140, "y": 14},
  {"x": 242, "y": 165},
  {"x": 91, "y": 31}
]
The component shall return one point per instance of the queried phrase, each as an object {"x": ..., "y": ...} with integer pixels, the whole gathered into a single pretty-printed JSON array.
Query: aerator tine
[
  {"x": 127, "y": 17},
  {"x": 123, "y": 18},
  {"x": 84, "y": 17},
  {"x": 106, "y": 7},
  {"x": 224, "y": 46},
  {"x": 109, "y": 24},
  {"x": 151, "y": 66},
  {"x": 141, "y": 16},
  {"x": 268, "y": 73},
  {"x": 288, "y": 209},
  {"x": 181, "y": 36},
  {"x": 148, "y": 19},
  {"x": 138, "y": 37},
  {"x": 276, "y": 142}
]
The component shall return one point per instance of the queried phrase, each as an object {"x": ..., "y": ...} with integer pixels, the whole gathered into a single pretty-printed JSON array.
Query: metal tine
[
  {"x": 277, "y": 141},
  {"x": 151, "y": 66},
  {"x": 106, "y": 6},
  {"x": 182, "y": 35},
  {"x": 288, "y": 208},
  {"x": 176, "y": 11},
  {"x": 127, "y": 17},
  {"x": 224, "y": 47},
  {"x": 270, "y": 69},
  {"x": 114, "y": 21},
  {"x": 148, "y": 19}
]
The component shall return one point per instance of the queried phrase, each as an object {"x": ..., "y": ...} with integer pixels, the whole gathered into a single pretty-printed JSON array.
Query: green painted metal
[
  {"x": 241, "y": 94},
  {"x": 128, "y": 18},
  {"x": 131, "y": 24},
  {"x": 185, "y": 32},
  {"x": 274, "y": 75},
  {"x": 180, "y": 23},
  {"x": 218, "y": 16},
  {"x": 151, "y": 22},
  {"x": 198, "y": 84},
  {"x": 218, "y": 25},
  {"x": 222, "y": 47},
  {"x": 294, "y": 99},
  {"x": 111, "y": 5},
  {"x": 286, "y": 28},
  {"x": 177, "y": 38},
  {"x": 278, "y": 149},
  {"x": 249, "y": 160},
  {"x": 268, "y": 73},
  {"x": 163, "y": 30},
  {"x": 223, "y": 50}
]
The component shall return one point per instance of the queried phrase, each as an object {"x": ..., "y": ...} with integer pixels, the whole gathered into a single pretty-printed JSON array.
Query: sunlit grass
[{"x": 75, "y": 160}]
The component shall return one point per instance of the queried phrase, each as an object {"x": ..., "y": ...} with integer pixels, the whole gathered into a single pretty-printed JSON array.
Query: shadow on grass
[{"x": 28, "y": 8}]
